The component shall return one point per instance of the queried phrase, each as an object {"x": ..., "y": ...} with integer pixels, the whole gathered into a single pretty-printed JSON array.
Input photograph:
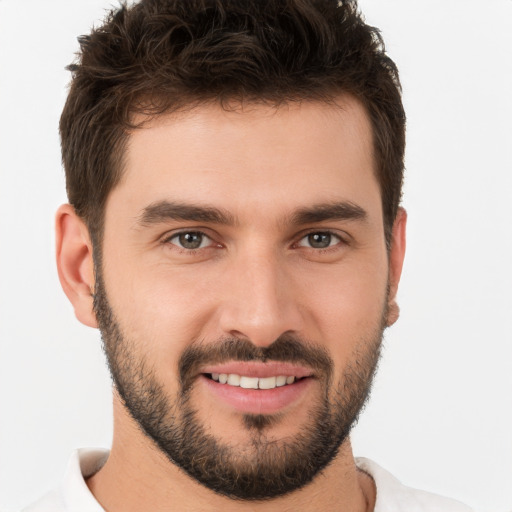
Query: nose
[{"x": 260, "y": 302}]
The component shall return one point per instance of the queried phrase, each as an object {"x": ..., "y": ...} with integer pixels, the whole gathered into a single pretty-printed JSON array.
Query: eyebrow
[
  {"x": 167, "y": 210},
  {"x": 345, "y": 210},
  {"x": 163, "y": 211}
]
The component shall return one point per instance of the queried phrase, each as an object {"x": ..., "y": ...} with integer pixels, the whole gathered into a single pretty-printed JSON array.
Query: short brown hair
[{"x": 158, "y": 56}]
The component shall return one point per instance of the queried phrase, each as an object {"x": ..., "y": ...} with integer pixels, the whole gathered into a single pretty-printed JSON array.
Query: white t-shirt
[{"x": 73, "y": 495}]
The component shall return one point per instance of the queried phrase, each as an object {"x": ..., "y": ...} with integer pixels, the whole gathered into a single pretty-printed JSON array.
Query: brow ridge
[
  {"x": 345, "y": 210},
  {"x": 162, "y": 211}
]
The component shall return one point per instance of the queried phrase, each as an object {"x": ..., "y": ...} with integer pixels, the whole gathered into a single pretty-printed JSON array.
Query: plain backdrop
[{"x": 440, "y": 417}]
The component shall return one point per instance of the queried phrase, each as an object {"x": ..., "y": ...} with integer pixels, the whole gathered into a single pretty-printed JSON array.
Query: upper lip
[{"x": 259, "y": 369}]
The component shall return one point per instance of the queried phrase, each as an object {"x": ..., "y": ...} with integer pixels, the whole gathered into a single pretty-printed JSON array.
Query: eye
[
  {"x": 320, "y": 240},
  {"x": 190, "y": 240}
]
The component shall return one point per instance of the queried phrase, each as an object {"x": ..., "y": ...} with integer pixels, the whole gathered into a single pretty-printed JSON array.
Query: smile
[
  {"x": 256, "y": 387},
  {"x": 246, "y": 382}
]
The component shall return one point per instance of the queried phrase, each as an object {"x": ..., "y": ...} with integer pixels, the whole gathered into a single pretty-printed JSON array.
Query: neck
[{"x": 138, "y": 476}]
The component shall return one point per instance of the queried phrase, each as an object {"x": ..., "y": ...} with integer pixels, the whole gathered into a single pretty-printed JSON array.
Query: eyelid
[
  {"x": 343, "y": 239},
  {"x": 167, "y": 237}
]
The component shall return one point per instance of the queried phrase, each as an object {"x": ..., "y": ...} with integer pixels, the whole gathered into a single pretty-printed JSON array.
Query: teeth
[
  {"x": 232, "y": 379},
  {"x": 280, "y": 381},
  {"x": 249, "y": 382},
  {"x": 267, "y": 383}
]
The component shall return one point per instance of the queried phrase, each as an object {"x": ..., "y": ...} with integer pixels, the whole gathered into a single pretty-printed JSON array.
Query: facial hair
[{"x": 265, "y": 469}]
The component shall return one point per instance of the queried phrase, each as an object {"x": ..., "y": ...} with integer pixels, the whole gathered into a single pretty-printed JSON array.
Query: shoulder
[
  {"x": 393, "y": 496},
  {"x": 73, "y": 495}
]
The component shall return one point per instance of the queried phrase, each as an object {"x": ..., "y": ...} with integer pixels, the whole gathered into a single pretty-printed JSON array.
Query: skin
[{"x": 258, "y": 278}]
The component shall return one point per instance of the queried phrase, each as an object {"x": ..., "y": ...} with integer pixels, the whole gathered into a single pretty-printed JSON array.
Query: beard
[{"x": 264, "y": 468}]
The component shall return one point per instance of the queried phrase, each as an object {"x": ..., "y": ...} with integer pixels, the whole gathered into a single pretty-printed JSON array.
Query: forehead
[{"x": 254, "y": 156}]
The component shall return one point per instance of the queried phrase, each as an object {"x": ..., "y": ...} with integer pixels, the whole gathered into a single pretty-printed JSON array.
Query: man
[{"x": 234, "y": 172}]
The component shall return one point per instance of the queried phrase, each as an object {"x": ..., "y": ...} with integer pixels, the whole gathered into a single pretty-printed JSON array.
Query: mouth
[
  {"x": 257, "y": 388},
  {"x": 247, "y": 382}
]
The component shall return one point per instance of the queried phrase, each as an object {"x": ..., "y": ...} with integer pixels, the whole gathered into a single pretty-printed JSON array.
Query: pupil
[
  {"x": 319, "y": 240},
  {"x": 191, "y": 240}
]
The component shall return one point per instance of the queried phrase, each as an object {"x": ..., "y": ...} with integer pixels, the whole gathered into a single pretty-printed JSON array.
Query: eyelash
[
  {"x": 321, "y": 250},
  {"x": 183, "y": 250}
]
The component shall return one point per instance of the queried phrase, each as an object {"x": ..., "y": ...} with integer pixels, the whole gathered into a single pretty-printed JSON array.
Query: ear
[
  {"x": 75, "y": 263},
  {"x": 396, "y": 261}
]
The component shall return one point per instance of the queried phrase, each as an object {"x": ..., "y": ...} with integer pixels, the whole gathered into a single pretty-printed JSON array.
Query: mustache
[{"x": 287, "y": 348}]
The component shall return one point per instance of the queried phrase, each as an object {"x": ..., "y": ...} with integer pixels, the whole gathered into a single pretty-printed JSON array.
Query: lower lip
[{"x": 258, "y": 401}]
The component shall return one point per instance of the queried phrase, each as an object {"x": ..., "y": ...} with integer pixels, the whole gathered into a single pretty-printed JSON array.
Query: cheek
[
  {"x": 349, "y": 306},
  {"x": 161, "y": 309},
  {"x": 164, "y": 308}
]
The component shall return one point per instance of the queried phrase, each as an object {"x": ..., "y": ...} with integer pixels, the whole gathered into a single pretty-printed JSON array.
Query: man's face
[{"x": 249, "y": 246}]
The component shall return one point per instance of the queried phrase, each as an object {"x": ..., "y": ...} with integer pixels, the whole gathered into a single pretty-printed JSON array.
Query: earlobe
[
  {"x": 75, "y": 263},
  {"x": 396, "y": 261}
]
